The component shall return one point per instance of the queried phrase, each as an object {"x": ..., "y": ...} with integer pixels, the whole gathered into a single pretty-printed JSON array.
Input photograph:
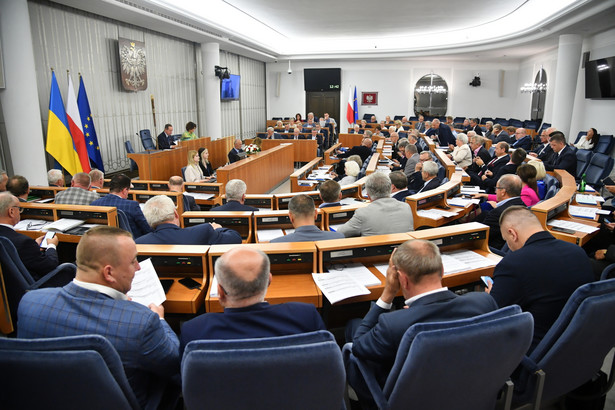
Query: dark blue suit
[
  {"x": 381, "y": 331},
  {"x": 540, "y": 277},
  {"x": 329, "y": 204},
  {"x": 567, "y": 159},
  {"x": 492, "y": 219},
  {"x": 308, "y": 233},
  {"x": 525, "y": 143},
  {"x": 138, "y": 223},
  {"x": 147, "y": 345},
  {"x": 190, "y": 203},
  {"x": 164, "y": 141},
  {"x": 203, "y": 234},
  {"x": 444, "y": 133},
  {"x": 38, "y": 262},
  {"x": 259, "y": 320},
  {"x": 234, "y": 206},
  {"x": 401, "y": 195},
  {"x": 544, "y": 152}
]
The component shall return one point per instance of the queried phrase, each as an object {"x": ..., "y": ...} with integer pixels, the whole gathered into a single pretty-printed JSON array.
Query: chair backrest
[
  {"x": 146, "y": 140},
  {"x": 550, "y": 181},
  {"x": 530, "y": 125},
  {"x": 88, "y": 364},
  {"x": 605, "y": 144},
  {"x": 130, "y": 150},
  {"x": 491, "y": 150},
  {"x": 583, "y": 158},
  {"x": 599, "y": 167},
  {"x": 579, "y": 135},
  {"x": 513, "y": 122},
  {"x": 17, "y": 279},
  {"x": 397, "y": 117},
  {"x": 441, "y": 172},
  {"x": 123, "y": 221},
  {"x": 608, "y": 272},
  {"x": 437, "y": 367},
  {"x": 484, "y": 120},
  {"x": 367, "y": 117},
  {"x": 573, "y": 350},
  {"x": 184, "y": 172},
  {"x": 551, "y": 191},
  {"x": 302, "y": 371},
  {"x": 502, "y": 121}
]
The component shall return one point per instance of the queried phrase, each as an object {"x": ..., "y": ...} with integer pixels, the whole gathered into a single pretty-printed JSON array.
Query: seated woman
[
  {"x": 298, "y": 117},
  {"x": 352, "y": 170},
  {"x": 193, "y": 172},
  {"x": 204, "y": 164},
  {"x": 258, "y": 142},
  {"x": 189, "y": 133},
  {"x": 541, "y": 173},
  {"x": 589, "y": 141},
  {"x": 462, "y": 155},
  {"x": 529, "y": 190}
]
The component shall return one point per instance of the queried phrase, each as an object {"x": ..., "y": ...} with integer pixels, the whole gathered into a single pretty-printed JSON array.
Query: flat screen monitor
[
  {"x": 600, "y": 78},
  {"x": 229, "y": 88},
  {"x": 322, "y": 79}
]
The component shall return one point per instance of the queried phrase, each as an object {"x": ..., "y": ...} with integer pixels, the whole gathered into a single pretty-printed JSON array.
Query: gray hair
[
  {"x": 53, "y": 175},
  {"x": 159, "y": 209},
  {"x": 82, "y": 179},
  {"x": 235, "y": 189},
  {"x": 430, "y": 167},
  {"x": 418, "y": 258},
  {"x": 355, "y": 158},
  {"x": 511, "y": 183},
  {"x": 96, "y": 175},
  {"x": 351, "y": 168},
  {"x": 6, "y": 201},
  {"x": 302, "y": 206},
  {"x": 269, "y": 128},
  {"x": 238, "y": 288},
  {"x": 378, "y": 185},
  {"x": 464, "y": 138},
  {"x": 411, "y": 148},
  {"x": 401, "y": 144}
]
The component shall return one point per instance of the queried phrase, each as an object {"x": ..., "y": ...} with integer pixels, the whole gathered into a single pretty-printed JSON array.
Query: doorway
[{"x": 320, "y": 102}]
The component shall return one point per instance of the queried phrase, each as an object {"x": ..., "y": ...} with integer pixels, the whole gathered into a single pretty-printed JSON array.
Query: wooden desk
[
  {"x": 329, "y": 153},
  {"x": 195, "y": 144},
  {"x": 160, "y": 164},
  {"x": 236, "y": 220},
  {"x": 298, "y": 286},
  {"x": 373, "y": 164},
  {"x": 336, "y": 215},
  {"x": 302, "y": 173},
  {"x": 350, "y": 140},
  {"x": 176, "y": 262},
  {"x": 446, "y": 162},
  {"x": 280, "y": 219},
  {"x": 305, "y": 150},
  {"x": 282, "y": 200},
  {"x": 263, "y": 171}
]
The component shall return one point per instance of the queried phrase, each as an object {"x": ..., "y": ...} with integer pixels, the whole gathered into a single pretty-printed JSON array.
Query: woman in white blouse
[
  {"x": 193, "y": 172},
  {"x": 352, "y": 170},
  {"x": 588, "y": 141},
  {"x": 461, "y": 154}
]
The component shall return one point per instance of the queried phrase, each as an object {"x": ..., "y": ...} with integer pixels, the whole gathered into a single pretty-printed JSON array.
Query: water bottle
[{"x": 583, "y": 183}]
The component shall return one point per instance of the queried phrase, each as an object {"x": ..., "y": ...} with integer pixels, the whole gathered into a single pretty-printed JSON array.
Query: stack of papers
[
  {"x": 463, "y": 260},
  {"x": 146, "y": 287},
  {"x": 64, "y": 224},
  {"x": 338, "y": 286},
  {"x": 359, "y": 273},
  {"x": 575, "y": 226},
  {"x": 471, "y": 190},
  {"x": 306, "y": 182},
  {"x": 31, "y": 225},
  {"x": 586, "y": 212},
  {"x": 462, "y": 202},
  {"x": 350, "y": 201},
  {"x": 436, "y": 214},
  {"x": 266, "y": 235},
  {"x": 198, "y": 195},
  {"x": 589, "y": 199}
]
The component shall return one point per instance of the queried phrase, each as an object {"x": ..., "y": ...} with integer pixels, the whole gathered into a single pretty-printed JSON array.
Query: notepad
[
  {"x": 338, "y": 286},
  {"x": 64, "y": 224}
]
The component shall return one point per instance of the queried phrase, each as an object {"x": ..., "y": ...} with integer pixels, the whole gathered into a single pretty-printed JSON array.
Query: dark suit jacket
[
  {"x": 420, "y": 126},
  {"x": 360, "y": 150},
  {"x": 525, "y": 143},
  {"x": 37, "y": 261},
  {"x": 256, "y": 321},
  {"x": 190, "y": 203},
  {"x": 490, "y": 183},
  {"x": 233, "y": 156},
  {"x": 138, "y": 224},
  {"x": 567, "y": 159},
  {"x": 401, "y": 195},
  {"x": 308, "y": 233},
  {"x": 444, "y": 133},
  {"x": 432, "y": 184},
  {"x": 544, "y": 155},
  {"x": 146, "y": 345},
  {"x": 415, "y": 182},
  {"x": 540, "y": 277},
  {"x": 492, "y": 219},
  {"x": 381, "y": 331},
  {"x": 233, "y": 206},
  {"x": 164, "y": 142},
  {"x": 203, "y": 234},
  {"x": 326, "y": 205},
  {"x": 478, "y": 130},
  {"x": 503, "y": 136}
]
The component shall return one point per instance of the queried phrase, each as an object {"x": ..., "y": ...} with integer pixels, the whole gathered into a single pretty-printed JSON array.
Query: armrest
[
  {"x": 368, "y": 376},
  {"x": 58, "y": 277}
]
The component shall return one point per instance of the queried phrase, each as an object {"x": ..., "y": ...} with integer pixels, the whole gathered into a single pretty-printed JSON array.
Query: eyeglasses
[
  {"x": 499, "y": 187},
  {"x": 18, "y": 207}
]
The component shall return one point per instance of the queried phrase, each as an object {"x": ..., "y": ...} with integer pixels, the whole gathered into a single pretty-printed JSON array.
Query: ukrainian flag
[{"x": 59, "y": 142}]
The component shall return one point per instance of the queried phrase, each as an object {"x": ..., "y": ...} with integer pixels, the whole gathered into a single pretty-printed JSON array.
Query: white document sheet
[
  {"x": 64, "y": 224},
  {"x": 577, "y": 227},
  {"x": 338, "y": 286},
  {"x": 360, "y": 273},
  {"x": 146, "y": 287},
  {"x": 462, "y": 202},
  {"x": 462, "y": 260},
  {"x": 199, "y": 195},
  {"x": 265, "y": 235},
  {"x": 31, "y": 225},
  {"x": 583, "y": 211}
]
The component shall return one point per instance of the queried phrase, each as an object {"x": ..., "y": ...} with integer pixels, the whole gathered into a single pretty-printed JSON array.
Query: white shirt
[
  {"x": 384, "y": 305},
  {"x": 112, "y": 293}
]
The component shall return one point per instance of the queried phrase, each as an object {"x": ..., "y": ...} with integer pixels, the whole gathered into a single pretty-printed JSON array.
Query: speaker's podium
[{"x": 292, "y": 265}]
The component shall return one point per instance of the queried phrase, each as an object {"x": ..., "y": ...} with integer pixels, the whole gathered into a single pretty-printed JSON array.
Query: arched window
[
  {"x": 539, "y": 96},
  {"x": 431, "y": 96}
]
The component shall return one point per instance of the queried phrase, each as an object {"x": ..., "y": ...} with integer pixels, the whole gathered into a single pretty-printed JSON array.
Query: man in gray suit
[
  {"x": 413, "y": 159},
  {"x": 302, "y": 213},
  {"x": 383, "y": 216}
]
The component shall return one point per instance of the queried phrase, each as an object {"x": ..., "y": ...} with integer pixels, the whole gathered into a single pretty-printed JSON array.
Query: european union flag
[{"x": 89, "y": 132}]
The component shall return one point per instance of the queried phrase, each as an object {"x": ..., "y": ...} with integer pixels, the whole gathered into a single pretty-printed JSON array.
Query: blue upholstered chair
[
  {"x": 551, "y": 191},
  {"x": 599, "y": 167},
  {"x": 502, "y": 121},
  {"x": 18, "y": 280},
  {"x": 146, "y": 140},
  {"x": 583, "y": 158},
  {"x": 573, "y": 350},
  {"x": 440, "y": 365},
  {"x": 130, "y": 150},
  {"x": 74, "y": 372},
  {"x": 513, "y": 122},
  {"x": 123, "y": 221},
  {"x": 605, "y": 145},
  {"x": 608, "y": 272},
  {"x": 303, "y": 371}
]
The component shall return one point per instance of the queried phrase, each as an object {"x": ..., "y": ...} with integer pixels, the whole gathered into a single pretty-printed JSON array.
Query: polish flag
[
  {"x": 75, "y": 126},
  {"x": 350, "y": 108}
]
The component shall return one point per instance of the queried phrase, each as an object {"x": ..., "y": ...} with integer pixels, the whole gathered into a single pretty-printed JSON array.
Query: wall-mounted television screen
[
  {"x": 600, "y": 78},
  {"x": 229, "y": 88},
  {"x": 322, "y": 79}
]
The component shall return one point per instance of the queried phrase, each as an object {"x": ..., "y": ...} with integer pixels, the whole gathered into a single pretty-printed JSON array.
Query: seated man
[
  {"x": 118, "y": 197},
  {"x": 563, "y": 156},
  {"x": 96, "y": 303},
  {"x": 235, "y": 197},
  {"x": 176, "y": 184},
  {"x": 412, "y": 158},
  {"x": 236, "y": 153},
  {"x": 415, "y": 268},
  {"x": 544, "y": 151},
  {"x": 508, "y": 193},
  {"x": 302, "y": 213},
  {"x": 243, "y": 278},
  {"x": 330, "y": 192},
  {"x": 55, "y": 177},
  {"x": 97, "y": 179},
  {"x": 165, "y": 140},
  {"x": 429, "y": 175},
  {"x": 18, "y": 186},
  {"x": 364, "y": 150},
  {"x": 37, "y": 260},
  {"x": 78, "y": 193},
  {"x": 499, "y": 135},
  {"x": 399, "y": 185},
  {"x": 474, "y": 126},
  {"x": 415, "y": 181},
  {"x": 271, "y": 134},
  {"x": 478, "y": 151},
  {"x": 383, "y": 215},
  {"x": 490, "y": 179},
  {"x": 162, "y": 216},
  {"x": 540, "y": 273},
  {"x": 522, "y": 140},
  {"x": 486, "y": 170}
]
